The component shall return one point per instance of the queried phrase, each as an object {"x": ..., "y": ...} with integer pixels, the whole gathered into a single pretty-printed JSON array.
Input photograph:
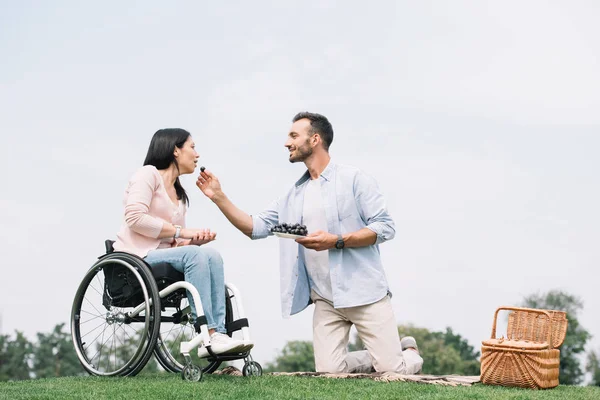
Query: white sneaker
[
  {"x": 409, "y": 342},
  {"x": 221, "y": 343}
]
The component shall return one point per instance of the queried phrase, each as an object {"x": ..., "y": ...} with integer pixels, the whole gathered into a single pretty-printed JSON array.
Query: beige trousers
[{"x": 377, "y": 328}]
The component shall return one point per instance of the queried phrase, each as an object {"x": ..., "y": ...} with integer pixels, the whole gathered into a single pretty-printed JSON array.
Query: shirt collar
[{"x": 326, "y": 174}]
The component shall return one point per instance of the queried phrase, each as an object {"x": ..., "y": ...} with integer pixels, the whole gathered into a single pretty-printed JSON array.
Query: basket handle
[{"x": 532, "y": 310}]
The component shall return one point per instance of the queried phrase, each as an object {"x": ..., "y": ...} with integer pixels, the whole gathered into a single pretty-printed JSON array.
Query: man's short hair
[{"x": 318, "y": 124}]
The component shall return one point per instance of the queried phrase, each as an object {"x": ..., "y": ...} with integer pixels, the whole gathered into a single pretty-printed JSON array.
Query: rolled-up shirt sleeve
[
  {"x": 138, "y": 198},
  {"x": 264, "y": 221},
  {"x": 372, "y": 208}
]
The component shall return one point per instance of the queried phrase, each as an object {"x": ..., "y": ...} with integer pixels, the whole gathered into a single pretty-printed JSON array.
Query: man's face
[{"x": 298, "y": 142}]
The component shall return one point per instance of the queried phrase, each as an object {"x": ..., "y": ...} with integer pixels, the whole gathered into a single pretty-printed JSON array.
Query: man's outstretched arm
[{"x": 211, "y": 187}]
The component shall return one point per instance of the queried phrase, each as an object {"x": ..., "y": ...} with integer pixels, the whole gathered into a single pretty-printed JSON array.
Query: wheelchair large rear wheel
[{"x": 115, "y": 316}]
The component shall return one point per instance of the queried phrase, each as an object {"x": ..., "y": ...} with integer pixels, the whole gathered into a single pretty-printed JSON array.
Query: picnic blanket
[{"x": 445, "y": 380}]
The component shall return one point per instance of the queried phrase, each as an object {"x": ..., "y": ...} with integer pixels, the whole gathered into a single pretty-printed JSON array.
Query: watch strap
[{"x": 340, "y": 243}]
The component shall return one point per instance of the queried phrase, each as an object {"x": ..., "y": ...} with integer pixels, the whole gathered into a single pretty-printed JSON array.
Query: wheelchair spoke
[
  {"x": 100, "y": 349},
  {"x": 122, "y": 336},
  {"x": 173, "y": 344},
  {"x": 101, "y": 315},
  {"x": 88, "y": 331},
  {"x": 96, "y": 290},
  {"x": 93, "y": 306},
  {"x": 97, "y": 336},
  {"x": 114, "y": 353},
  {"x": 124, "y": 342},
  {"x": 84, "y": 335},
  {"x": 102, "y": 343},
  {"x": 165, "y": 334}
]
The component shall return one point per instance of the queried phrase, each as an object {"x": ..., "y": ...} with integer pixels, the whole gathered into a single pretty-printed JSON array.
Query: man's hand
[
  {"x": 211, "y": 187},
  {"x": 209, "y": 184},
  {"x": 318, "y": 240}
]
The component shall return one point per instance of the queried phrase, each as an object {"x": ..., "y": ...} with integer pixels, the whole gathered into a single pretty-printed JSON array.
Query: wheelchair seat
[
  {"x": 123, "y": 290},
  {"x": 164, "y": 273}
]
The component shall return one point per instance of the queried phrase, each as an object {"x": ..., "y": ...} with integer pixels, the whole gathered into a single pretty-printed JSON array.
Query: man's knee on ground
[
  {"x": 329, "y": 366},
  {"x": 390, "y": 365}
]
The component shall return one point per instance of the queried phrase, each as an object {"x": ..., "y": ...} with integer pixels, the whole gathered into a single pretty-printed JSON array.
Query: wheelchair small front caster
[
  {"x": 191, "y": 373},
  {"x": 252, "y": 368}
]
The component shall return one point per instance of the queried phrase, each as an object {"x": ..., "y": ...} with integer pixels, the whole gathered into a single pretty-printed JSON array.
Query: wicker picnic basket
[
  {"x": 519, "y": 327},
  {"x": 528, "y": 357}
]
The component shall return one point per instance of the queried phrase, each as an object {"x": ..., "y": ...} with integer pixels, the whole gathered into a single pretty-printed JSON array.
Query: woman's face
[{"x": 187, "y": 157}]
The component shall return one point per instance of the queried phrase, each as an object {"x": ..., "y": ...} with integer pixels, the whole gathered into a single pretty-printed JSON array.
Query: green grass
[{"x": 171, "y": 386}]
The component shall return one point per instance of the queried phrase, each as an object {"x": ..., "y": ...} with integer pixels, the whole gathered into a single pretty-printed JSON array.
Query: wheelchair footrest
[{"x": 229, "y": 356}]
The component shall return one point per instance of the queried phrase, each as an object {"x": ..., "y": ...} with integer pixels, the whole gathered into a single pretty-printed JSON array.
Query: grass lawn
[{"x": 171, "y": 386}]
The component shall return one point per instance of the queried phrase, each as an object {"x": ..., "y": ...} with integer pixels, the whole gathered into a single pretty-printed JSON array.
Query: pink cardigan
[{"x": 147, "y": 207}]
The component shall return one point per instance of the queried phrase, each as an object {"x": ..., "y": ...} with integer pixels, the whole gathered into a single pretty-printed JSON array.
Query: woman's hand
[
  {"x": 198, "y": 237},
  {"x": 209, "y": 184}
]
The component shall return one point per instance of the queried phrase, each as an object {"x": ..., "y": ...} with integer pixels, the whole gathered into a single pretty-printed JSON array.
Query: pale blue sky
[{"x": 479, "y": 120}]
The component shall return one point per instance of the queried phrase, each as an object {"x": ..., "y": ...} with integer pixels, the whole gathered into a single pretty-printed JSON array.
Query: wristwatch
[
  {"x": 177, "y": 231},
  {"x": 340, "y": 243}
]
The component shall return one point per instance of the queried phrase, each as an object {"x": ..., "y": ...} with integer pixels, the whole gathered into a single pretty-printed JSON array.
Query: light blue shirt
[{"x": 352, "y": 201}]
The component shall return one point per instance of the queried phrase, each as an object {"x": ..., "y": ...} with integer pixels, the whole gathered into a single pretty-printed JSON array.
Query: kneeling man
[{"x": 337, "y": 266}]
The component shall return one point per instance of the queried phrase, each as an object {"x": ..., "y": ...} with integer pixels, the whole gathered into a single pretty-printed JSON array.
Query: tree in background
[
  {"x": 468, "y": 355},
  {"x": 14, "y": 357},
  {"x": 443, "y": 353},
  {"x": 54, "y": 355},
  {"x": 593, "y": 367},
  {"x": 296, "y": 356},
  {"x": 577, "y": 337}
]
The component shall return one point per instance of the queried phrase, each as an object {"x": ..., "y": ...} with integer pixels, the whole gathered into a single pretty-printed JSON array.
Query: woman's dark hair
[{"x": 160, "y": 154}]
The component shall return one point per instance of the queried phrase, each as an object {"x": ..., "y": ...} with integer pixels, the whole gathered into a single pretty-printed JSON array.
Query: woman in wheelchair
[
  {"x": 154, "y": 229},
  {"x": 158, "y": 290}
]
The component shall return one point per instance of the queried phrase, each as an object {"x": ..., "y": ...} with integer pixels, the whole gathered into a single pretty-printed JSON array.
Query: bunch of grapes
[{"x": 294, "y": 229}]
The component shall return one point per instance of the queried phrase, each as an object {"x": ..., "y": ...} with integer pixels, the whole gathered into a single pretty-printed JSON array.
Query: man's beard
[{"x": 302, "y": 153}]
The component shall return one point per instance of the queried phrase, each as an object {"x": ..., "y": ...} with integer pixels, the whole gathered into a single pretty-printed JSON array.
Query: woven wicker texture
[
  {"x": 518, "y": 327},
  {"x": 527, "y": 357}
]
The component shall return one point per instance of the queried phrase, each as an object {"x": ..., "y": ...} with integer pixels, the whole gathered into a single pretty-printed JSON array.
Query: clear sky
[{"x": 479, "y": 119}]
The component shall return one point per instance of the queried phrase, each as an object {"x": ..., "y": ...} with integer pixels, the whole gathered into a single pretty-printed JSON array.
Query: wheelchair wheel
[
  {"x": 114, "y": 320},
  {"x": 191, "y": 373},
  {"x": 176, "y": 328},
  {"x": 252, "y": 368}
]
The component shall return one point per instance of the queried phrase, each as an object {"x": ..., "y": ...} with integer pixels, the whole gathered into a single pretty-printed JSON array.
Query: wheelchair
[{"x": 124, "y": 312}]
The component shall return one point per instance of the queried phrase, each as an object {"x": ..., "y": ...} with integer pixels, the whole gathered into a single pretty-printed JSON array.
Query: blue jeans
[{"x": 203, "y": 268}]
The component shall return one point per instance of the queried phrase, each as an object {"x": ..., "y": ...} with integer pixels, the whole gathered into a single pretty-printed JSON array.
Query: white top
[{"x": 317, "y": 262}]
